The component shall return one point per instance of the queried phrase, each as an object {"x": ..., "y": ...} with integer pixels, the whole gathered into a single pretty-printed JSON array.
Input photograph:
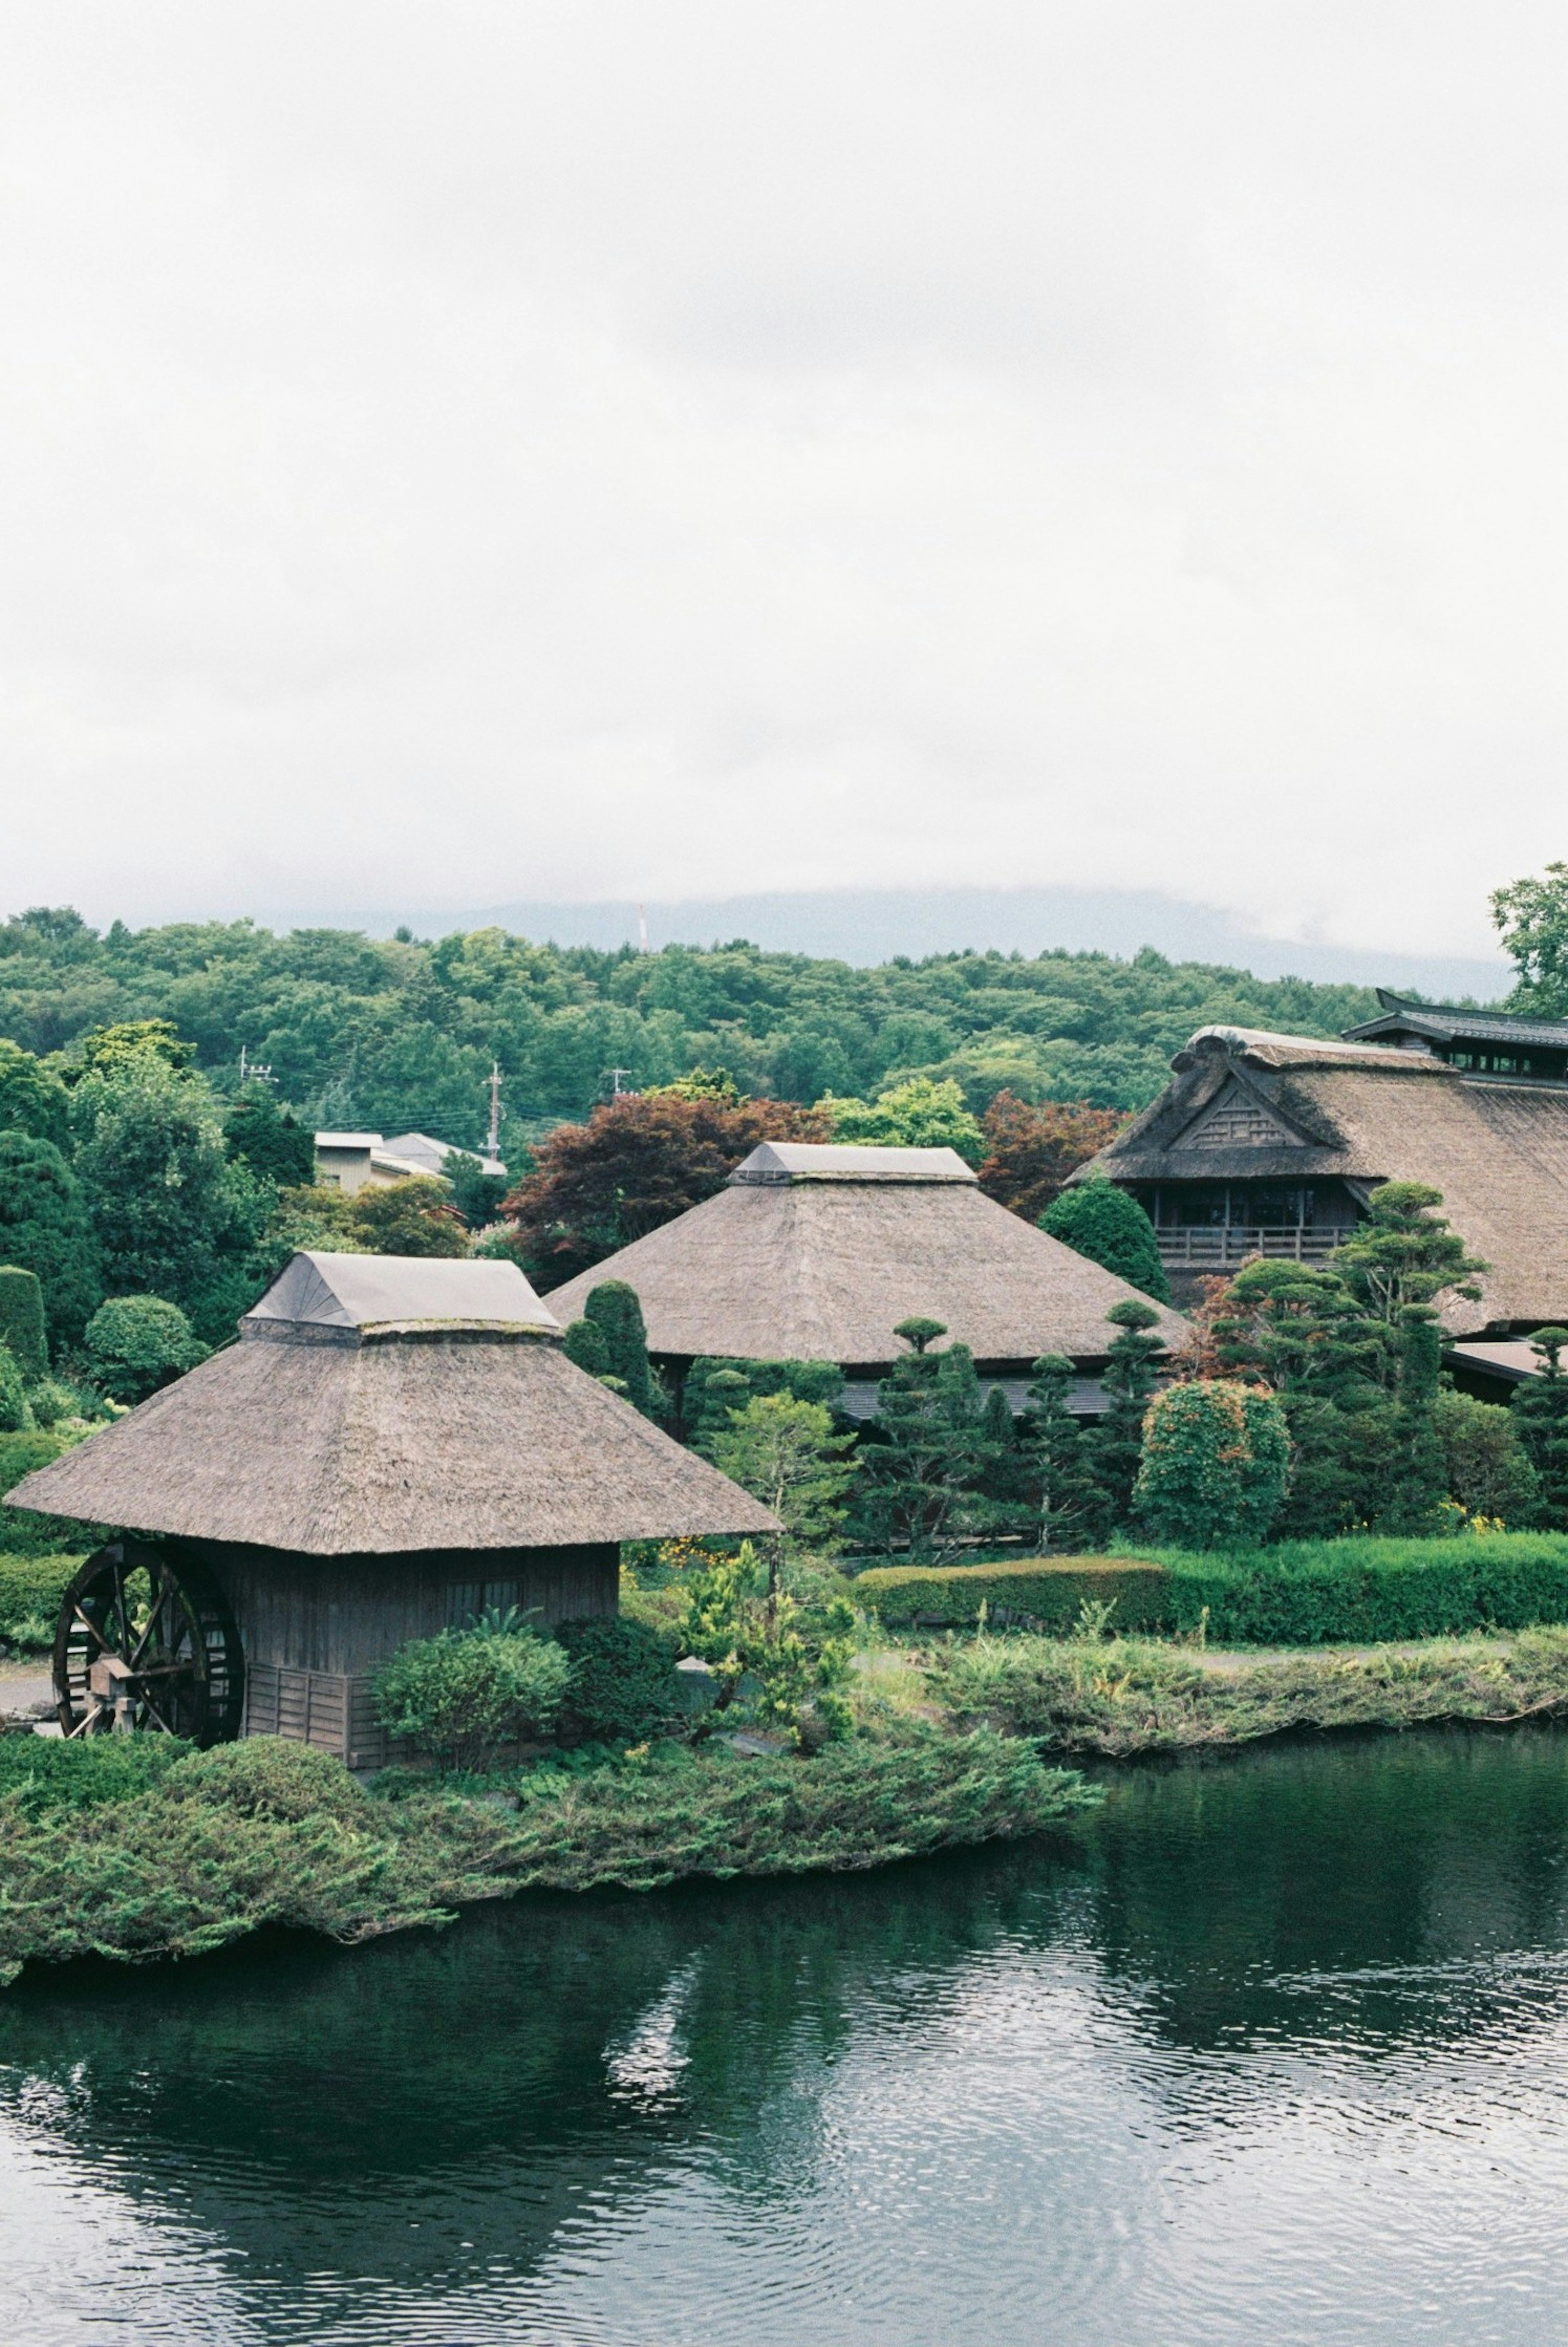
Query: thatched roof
[
  {"x": 376, "y": 1404},
  {"x": 809, "y": 1255},
  {"x": 1255, "y": 1107}
]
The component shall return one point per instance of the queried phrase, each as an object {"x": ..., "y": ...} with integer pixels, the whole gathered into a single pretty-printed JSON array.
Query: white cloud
[{"x": 491, "y": 451}]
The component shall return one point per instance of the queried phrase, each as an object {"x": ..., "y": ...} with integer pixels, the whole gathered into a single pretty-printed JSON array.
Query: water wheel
[{"x": 146, "y": 1641}]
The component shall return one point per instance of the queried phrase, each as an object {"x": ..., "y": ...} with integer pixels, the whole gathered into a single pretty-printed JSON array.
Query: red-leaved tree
[
  {"x": 636, "y": 1164},
  {"x": 1030, "y": 1151}
]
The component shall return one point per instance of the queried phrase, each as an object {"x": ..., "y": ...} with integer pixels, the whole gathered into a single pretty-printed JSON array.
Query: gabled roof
[
  {"x": 1498, "y": 1151},
  {"x": 337, "y": 1431},
  {"x": 1449, "y": 1022},
  {"x": 823, "y": 1270},
  {"x": 810, "y": 1161}
]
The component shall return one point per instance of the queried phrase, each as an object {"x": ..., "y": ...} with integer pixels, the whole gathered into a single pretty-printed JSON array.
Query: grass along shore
[{"x": 1120, "y": 1697}]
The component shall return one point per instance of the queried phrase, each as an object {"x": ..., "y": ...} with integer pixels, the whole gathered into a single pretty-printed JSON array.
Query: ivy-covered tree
[
  {"x": 1215, "y": 1456},
  {"x": 1108, "y": 1224}
]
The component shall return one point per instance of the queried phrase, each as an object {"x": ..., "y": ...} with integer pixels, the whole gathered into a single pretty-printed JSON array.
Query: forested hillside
[{"x": 400, "y": 1033}]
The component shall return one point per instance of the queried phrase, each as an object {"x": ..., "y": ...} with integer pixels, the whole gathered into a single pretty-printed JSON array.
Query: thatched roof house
[
  {"x": 1271, "y": 1144},
  {"x": 816, "y": 1252},
  {"x": 393, "y": 1445}
]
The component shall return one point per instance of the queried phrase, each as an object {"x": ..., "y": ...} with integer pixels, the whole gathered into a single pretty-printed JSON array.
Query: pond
[{"x": 1277, "y": 2054}]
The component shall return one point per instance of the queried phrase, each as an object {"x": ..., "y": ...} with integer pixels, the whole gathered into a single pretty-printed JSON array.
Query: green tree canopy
[
  {"x": 44, "y": 1228},
  {"x": 786, "y": 1454},
  {"x": 1097, "y": 1219},
  {"x": 32, "y": 1100},
  {"x": 412, "y": 1217},
  {"x": 914, "y": 1114},
  {"x": 269, "y": 1140},
  {"x": 1540, "y": 1410},
  {"x": 1532, "y": 917},
  {"x": 137, "y": 1344}
]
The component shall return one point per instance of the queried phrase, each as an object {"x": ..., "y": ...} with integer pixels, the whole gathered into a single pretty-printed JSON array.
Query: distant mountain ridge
[{"x": 870, "y": 925}]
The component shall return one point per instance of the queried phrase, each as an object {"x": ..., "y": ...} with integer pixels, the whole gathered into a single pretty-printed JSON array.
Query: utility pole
[
  {"x": 617, "y": 1089},
  {"x": 493, "y": 1145},
  {"x": 253, "y": 1072},
  {"x": 642, "y": 931}
]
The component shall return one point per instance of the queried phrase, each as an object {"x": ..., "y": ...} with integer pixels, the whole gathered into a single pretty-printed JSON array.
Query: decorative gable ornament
[{"x": 1238, "y": 1120}]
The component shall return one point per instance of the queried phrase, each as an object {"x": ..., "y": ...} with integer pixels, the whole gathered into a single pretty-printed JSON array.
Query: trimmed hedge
[
  {"x": 1036, "y": 1593},
  {"x": 1302, "y": 1594},
  {"x": 1350, "y": 1592}
]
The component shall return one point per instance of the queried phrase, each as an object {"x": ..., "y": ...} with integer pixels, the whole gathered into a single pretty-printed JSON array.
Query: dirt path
[{"x": 26, "y": 1689}]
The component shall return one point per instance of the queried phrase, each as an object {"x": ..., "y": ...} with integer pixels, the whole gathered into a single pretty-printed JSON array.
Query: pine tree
[
  {"x": 1540, "y": 1410},
  {"x": 1115, "y": 1448},
  {"x": 1069, "y": 1510},
  {"x": 919, "y": 1473}
]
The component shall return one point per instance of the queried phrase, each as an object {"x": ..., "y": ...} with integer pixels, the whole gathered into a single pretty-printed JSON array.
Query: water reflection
[{"x": 1280, "y": 2048}]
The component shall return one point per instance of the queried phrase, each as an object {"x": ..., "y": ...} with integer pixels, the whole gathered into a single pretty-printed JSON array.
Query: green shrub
[
  {"x": 14, "y": 1414},
  {"x": 44, "y": 1773},
  {"x": 31, "y": 1589},
  {"x": 1108, "y": 1224},
  {"x": 857, "y": 1804},
  {"x": 1045, "y": 1593},
  {"x": 624, "y": 1686},
  {"x": 22, "y": 1320},
  {"x": 269, "y": 1777},
  {"x": 463, "y": 1694},
  {"x": 137, "y": 1343}
]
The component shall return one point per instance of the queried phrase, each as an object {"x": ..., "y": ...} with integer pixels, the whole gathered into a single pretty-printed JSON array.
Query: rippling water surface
[{"x": 1278, "y": 2055}]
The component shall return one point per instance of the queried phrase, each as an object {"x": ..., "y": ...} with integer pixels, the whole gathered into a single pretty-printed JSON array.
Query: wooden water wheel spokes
[{"x": 146, "y": 1640}]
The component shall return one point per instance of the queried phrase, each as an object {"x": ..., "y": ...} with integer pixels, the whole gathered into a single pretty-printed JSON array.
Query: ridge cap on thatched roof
[
  {"x": 1266, "y": 1048},
  {"x": 818, "y": 1161},
  {"x": 319, "y": 1291}
]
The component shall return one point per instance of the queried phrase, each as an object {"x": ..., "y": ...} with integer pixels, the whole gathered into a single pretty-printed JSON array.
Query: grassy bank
[
  {"x": 135, "y": 1848},
  {"x": 1132, "y": 1696}
]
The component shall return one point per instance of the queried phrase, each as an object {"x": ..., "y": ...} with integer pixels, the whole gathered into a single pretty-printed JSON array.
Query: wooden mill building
[
  {"x": 1271, "y": 1144},
  {"x": 393, "y": 1446},
  {"x": 816, "y": 1252}
]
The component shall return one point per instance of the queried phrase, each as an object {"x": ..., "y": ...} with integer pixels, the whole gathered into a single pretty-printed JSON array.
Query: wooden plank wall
[{"x": 343, "y": 1614}]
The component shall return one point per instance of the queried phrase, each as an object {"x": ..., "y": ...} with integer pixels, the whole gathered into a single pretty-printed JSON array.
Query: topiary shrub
[
  {"x": 464, "y": 1693},
  {"x": 1097, "y": 1219},
  {"x": 624, "y": 1686},
  {"x": 269, "y": 1777},
  {"x": 14, "y": 1414},
  {"x": 136, "y": 1344},
  {"x": 22, "y": 1320}
]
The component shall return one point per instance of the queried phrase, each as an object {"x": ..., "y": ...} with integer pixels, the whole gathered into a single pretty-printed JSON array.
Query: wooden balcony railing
[{"x": 1218, "y": 1247}]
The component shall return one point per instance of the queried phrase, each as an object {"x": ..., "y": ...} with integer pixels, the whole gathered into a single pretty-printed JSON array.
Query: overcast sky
[{"x": 460, "y": 452}]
